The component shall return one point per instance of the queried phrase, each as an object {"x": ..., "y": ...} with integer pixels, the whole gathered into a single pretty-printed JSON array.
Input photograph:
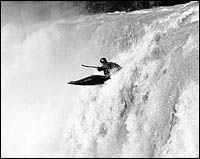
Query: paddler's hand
[{"x": 99, "y": 69}]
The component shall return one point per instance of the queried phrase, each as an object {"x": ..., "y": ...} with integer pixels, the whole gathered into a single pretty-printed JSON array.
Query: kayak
[{"x": 91, "y": 80}]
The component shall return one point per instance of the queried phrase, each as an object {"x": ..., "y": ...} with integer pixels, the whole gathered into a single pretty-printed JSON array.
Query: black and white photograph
[{"x": 100, "y": 79}]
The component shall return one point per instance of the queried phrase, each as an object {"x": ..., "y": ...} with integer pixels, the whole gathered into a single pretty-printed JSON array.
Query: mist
[{"x": 38, "y": 58}]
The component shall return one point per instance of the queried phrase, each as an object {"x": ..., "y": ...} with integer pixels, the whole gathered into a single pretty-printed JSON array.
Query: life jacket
[{"x": 108, "y": 67}]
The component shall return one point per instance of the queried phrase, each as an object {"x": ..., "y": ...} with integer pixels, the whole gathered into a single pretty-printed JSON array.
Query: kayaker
[{"x": 108, "y": 67}]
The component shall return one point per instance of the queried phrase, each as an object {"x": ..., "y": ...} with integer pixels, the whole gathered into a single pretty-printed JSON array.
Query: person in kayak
[{"x": 108, "y": 67}]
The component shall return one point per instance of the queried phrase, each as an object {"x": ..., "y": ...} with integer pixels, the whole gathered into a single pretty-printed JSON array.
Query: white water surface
[{"x": 148, "y": 109}]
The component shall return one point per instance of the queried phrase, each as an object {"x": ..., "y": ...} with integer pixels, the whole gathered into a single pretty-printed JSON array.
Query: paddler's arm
[
  {"x": 89, "y": 66},
  {"x": 98, "y": 68}
]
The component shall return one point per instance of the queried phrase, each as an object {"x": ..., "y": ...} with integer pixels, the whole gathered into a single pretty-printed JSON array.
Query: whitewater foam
[
  {"x": 148, "y": 109},
  {"x": 135, "y": 114}
]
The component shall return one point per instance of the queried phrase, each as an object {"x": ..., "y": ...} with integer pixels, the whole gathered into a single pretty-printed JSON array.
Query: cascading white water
[
  {"x": 148, "y": 109},
  {"x": 143, "y": 109}
]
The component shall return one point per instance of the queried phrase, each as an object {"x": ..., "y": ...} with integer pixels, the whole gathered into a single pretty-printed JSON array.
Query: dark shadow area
[{"x": 93, "y": 7}]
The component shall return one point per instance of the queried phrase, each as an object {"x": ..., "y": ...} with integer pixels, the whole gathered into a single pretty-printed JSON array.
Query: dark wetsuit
[{"x": 106, "y": 68}]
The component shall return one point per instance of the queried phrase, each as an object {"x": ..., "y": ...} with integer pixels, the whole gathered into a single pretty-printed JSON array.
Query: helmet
[{"x": 103, "y": 60}]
